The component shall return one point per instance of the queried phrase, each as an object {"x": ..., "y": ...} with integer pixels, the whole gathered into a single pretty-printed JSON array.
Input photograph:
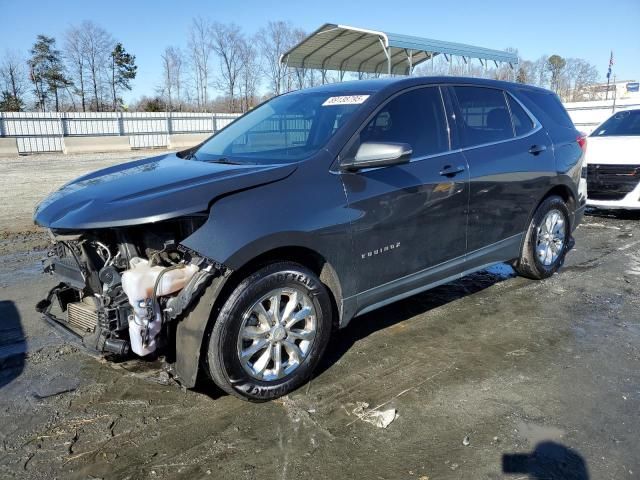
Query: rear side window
[
  {"x": 415, "y": 117},
  {"x": 484, "y": 115},
  {"x": 550, "y": 105},
  {"x": 522, "y": 122}
]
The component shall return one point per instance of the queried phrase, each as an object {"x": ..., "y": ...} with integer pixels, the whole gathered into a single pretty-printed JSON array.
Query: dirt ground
[{"x": 492, "y": 377}]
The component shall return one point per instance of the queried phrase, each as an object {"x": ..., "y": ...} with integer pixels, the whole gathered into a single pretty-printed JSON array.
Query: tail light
[{"x": 582, "y": 141}]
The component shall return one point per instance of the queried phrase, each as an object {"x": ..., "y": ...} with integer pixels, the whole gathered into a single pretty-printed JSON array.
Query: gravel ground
[{"x": 492, "y": 377}]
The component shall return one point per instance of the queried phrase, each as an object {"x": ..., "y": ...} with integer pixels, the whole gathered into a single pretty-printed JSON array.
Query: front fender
[
  {"x": 191, "y": 330},
  {"x": 304, "y": 210}
]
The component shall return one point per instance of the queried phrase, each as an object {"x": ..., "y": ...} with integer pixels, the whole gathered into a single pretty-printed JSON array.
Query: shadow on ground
[
  {"x": 362, "y": 327},
  {"x": 618, "y": 214},
  {"x": 549, "y": 461},
  {"x": 13, "y": 346}
]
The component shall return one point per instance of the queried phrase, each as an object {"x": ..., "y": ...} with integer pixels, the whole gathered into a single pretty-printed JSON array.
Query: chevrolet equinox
[{"x": 237, "y": 257}]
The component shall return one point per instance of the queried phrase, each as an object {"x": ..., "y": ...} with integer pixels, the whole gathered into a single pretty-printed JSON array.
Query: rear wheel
[
  {"x": 271, "y": 333},
  {"x": 547, "y": 240}
]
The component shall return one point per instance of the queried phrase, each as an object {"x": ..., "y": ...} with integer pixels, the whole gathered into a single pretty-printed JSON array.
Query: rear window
[
  {"x": 522, "y": 122},
  {"x": 550, "y": 105},
  {"x": 484, "y": 115},
  {"x": 622, "y": 123}
]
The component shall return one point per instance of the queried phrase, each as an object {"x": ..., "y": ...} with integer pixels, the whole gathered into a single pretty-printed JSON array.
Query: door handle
[
  {"x": 449, "y": 171},
  {"x": 537, "y": 149}
]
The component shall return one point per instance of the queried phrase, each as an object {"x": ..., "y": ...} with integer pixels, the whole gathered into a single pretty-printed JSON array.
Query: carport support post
[{"x": 386, "y": 53}]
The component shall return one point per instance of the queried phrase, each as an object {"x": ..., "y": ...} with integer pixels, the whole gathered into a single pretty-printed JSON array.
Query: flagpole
[{"x": 606, "y": 95}]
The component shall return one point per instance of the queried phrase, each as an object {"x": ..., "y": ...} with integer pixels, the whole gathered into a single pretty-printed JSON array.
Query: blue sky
[{"x": 588, "y": 29}]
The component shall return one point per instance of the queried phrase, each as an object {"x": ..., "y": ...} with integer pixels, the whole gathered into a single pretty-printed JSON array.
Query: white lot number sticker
[{"x": 345, "y": 100}]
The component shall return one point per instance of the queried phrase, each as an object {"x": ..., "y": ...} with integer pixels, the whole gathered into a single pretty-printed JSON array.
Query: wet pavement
[{"x": 492, "y": 377}]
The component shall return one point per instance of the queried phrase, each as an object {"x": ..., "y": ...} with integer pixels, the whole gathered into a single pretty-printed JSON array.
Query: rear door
[
  {"x": 412, "y": 217},
  {"x": 510, "y": 161}
]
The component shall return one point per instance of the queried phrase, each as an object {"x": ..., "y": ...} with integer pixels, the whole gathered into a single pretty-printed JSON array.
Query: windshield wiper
[
  {"x": 226, "y": 161},
  {"x": 223, "y": 160}
]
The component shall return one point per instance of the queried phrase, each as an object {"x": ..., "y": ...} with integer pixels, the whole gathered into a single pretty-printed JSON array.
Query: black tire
[
  {"x": 223, "y": 360},
  {"x": 529, "y": 265}
]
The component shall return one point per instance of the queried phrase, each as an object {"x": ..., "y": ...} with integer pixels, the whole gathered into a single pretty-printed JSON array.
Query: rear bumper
[{"x": 630, "y": 202}]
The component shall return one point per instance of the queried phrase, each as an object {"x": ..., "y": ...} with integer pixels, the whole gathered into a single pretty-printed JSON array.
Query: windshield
[
  {"x": 284, "y": 130},
  {"x": 622, "y": 123}
]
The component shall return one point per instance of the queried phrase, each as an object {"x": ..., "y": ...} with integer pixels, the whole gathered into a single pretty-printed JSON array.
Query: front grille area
[
  {"x": 611, "y": 182},
  {"x": 82, "y": 317}
]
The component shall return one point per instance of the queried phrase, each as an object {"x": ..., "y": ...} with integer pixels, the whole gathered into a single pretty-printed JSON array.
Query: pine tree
[
  {"x": 123, "y": 70},
  {"x": 47, "y": 71},
  {"x": 10, "y": 103}
]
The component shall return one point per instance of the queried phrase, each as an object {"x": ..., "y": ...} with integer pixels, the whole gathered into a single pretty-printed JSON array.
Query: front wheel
[
  {"x": 270, "y": 333},
  {"x": 547, "y": 240}
]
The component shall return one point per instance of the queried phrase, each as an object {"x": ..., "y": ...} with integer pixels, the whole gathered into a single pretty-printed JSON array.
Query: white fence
[
  {"x": 46, "y": 131},
  {"x": 588, "y": 115}
]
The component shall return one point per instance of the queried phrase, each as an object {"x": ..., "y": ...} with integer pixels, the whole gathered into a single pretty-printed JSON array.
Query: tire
[
  {"x": 248, "y": 320},
  {"x": 530, "y": 264}
]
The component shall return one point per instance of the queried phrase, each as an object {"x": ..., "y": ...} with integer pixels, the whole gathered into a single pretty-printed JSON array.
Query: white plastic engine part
[{"x": 138, "y": 284}]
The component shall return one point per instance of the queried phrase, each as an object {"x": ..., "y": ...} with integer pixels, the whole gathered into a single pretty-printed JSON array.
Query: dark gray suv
[{"x": 239, "y": 256}]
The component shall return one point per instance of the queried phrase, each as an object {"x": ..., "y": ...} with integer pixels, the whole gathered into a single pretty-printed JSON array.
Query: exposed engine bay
[{"x": 121, "y": 289}]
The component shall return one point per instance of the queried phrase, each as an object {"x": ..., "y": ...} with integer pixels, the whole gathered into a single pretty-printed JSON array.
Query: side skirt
[{"x": 431, "y": 277}]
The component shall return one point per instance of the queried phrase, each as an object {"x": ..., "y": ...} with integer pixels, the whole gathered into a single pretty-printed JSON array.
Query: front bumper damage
[{"x": 91, "y": 306}]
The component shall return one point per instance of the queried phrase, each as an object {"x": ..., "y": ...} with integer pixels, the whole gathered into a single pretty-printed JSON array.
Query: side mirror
[{"x": 378, "y": 154}]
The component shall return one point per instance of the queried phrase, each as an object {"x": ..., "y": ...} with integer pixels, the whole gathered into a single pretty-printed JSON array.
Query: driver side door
[{"x": 410, "y": 219}]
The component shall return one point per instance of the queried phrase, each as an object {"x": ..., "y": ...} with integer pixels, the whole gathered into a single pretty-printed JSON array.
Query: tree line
[
  {"x": 219, "y": 68},
  {"x": 88, "y": 72}
]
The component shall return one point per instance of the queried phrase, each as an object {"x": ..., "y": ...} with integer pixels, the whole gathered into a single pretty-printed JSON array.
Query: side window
[
  {"x": 550, "y": 105},
  {"x": 416, "y": 117},
  {"x": 485, "y": 116},
  {"x": 522, "y": 122}
]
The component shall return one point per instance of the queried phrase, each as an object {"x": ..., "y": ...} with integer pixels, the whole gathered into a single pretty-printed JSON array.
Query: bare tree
[
  {"x": 172, "y": 77},
  {"x": 578, "y": 77},
  {"x": 76, "y": 61},
  {"x": 14, "y": 80},
  {"x": 96, "y": 44},
  {"x": 302, "y": 76},
  {"x": 228, "y": 42},
  {"x": 249, "y": 76},
  {"x": 200, "y": 50},
  {"x": 274, "y": 40},
  {"x": 541, "y": 71}
]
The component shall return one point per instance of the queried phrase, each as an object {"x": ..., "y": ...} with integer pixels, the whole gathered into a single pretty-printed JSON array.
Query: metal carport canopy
[{"x": 353, "y": 49}]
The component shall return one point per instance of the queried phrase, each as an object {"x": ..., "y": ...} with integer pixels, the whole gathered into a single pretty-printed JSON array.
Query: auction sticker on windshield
[{"x": 345, "y": 100}]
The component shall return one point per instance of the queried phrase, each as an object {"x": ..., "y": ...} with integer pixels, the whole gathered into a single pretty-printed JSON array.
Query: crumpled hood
[{"x": 148, "y": 190}]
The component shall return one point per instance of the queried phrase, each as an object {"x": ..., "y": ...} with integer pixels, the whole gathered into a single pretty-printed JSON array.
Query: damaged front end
[{"x": 122, "y": 289}]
